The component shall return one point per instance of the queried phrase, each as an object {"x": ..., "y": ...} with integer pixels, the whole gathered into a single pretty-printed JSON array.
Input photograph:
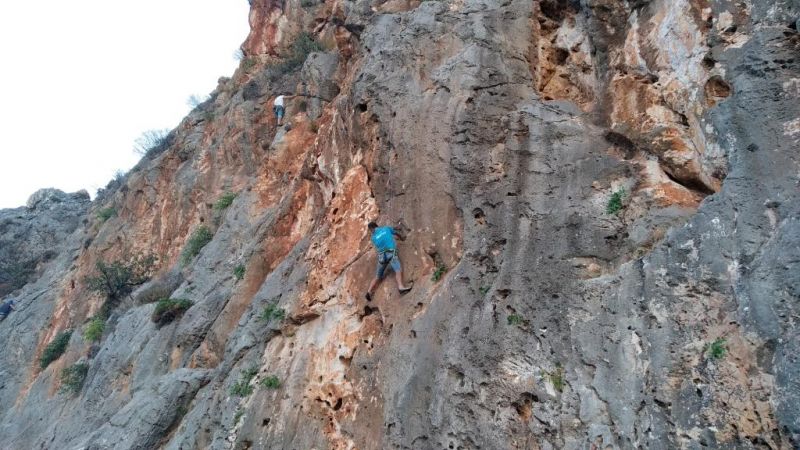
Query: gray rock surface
[{"x": 496, "y": 134}]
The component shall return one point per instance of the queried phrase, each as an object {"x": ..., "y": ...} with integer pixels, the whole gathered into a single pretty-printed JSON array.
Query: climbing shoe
[{"x": 403, "y": 291}]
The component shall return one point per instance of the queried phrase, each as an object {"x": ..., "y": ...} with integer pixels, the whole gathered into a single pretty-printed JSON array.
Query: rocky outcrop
[
  {"x": 602, "y": 234},
  {"x": 32, "y": 235}
]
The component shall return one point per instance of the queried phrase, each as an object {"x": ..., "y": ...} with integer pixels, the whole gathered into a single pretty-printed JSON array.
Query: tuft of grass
[
  {"x": 72, "y": 378},
  {"x": 717, "y": 349},
  {"x": 242, "y": 388},
  {"x": 556, "y": 377},
  {"x": 224, "y": 201},
  {"x": 169, "y": 309},
  {"x": 272, "y": 311},
  {"x": 437, "y": 274},
  {"x": 514, "y": 319},
  {"x": 271, "y": 382},
  {"x": 94, "y": 329},
  {"x": 238, "y": 272},
  {"x": 55, "y": 348},
  {"x": 238, "y": 416},
  {"x": 196, "y": 242},
  {"x": 615, "y": 202},
  {"x": 484, "y": 290},
  {"x": 106, "y": 213}
]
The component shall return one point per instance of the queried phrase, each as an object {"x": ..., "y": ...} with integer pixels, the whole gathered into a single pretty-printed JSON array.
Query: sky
[{"x": 81, "y": 80}]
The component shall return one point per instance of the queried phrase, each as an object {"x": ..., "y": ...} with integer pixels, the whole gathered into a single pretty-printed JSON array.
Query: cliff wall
[{"x": 601, "y": 205}]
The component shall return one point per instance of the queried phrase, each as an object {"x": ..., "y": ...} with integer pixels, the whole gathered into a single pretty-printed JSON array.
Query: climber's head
[{"x": 372, "y": 226}]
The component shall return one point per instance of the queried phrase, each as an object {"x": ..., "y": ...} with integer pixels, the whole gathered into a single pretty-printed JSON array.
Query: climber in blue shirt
[
  {"x": 6, "y": 308},
  {"x": 383, "y": 240}
]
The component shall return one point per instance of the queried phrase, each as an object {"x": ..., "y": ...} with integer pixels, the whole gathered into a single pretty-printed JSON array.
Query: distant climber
[
  {"x": 6, "y": 308},
  {"x": 383, "y": 240},
  {"x": 279, "y": 107}
]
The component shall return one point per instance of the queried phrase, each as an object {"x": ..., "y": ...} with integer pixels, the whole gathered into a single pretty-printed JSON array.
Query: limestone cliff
[{"x": 601, "y": 202}]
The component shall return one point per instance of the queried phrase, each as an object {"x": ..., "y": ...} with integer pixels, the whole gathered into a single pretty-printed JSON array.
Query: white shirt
[{"x": 278, "y": 101}]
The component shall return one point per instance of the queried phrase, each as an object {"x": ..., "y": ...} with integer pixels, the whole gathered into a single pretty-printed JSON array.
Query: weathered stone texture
[{"x": 495, "y": 134}]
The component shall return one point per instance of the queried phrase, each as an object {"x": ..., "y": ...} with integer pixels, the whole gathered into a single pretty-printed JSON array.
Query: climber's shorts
[
  {"x": 278, "y": 111},
  {"x": 385, "y": 260}
]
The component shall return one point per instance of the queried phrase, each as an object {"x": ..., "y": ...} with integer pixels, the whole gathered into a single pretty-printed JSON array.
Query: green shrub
[
  {"x": 224, "y": 201},
  {"x": 302, "y": 46},
  {"x": 556, "y": 377},
  {"x": 437, "y": 275},
  {"x": 238, "y": 415},
  {"x": 106, "y": 213},
  {"x": 271, "y": 382},
  {"x": 272, "y": 311},
  {"x": 55, "y": 348},
  {"x": 242, "y": 388},
  {"x": 238, "y": 272},
  {"x": 94, "y": 329},
  {"x": 196, "y": 242},
  {"x": 615, "y": 202},
  {"x": 717, "y": 349},
  {"x": 514, "y": 319},
  {"x": 169, "y": 309},
  {"x": 484, "y": 290},
  {"x": 118, "y": 278},
  {"x": 248, "y": 63},
  {"x": 72, "y": 378}
]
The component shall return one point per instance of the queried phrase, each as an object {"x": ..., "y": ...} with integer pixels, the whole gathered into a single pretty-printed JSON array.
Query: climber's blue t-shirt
[{"x": 383, "y": 238}]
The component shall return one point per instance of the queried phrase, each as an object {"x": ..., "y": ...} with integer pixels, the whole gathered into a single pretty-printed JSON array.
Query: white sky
[{"x": 82, "y": 79}]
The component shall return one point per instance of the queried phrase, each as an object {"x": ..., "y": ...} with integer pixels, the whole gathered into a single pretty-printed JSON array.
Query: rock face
[
  {"x": 603, "y": 231},
  {"x": 32, "y": 235}
]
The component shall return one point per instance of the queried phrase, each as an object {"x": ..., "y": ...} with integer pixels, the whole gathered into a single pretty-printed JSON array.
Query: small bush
[
  {"x": 195, "y": 100},
  {"x": 242, "y": 388},
  {"x": 302, "y": 46},
  {"x": 94, "y": 329},
  {"x": 196, "y": 242},
  {"x": 238, "y": 272},
  {"x": 169, "y": 309},
  {"x": 437, "y": 274},
  {"x": 118, "y": 278},
  {"x": 484, "y": 290},
  {"x": 271, "y": 382},
  {"x": 248, "y": 63},
  {"x": 514, "y": 319},
  {"x": 55, "y": 348},
  {"x": 717, "y": 349},
  {"x": 272, "y": 312},
  {"x": 224, "y": 201},
  {"x": 72, "y": 378},
  {"x": 106, "y": 213},
  {"x": 615, "y": 202},
  {"x": 151, "y": 141}
]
